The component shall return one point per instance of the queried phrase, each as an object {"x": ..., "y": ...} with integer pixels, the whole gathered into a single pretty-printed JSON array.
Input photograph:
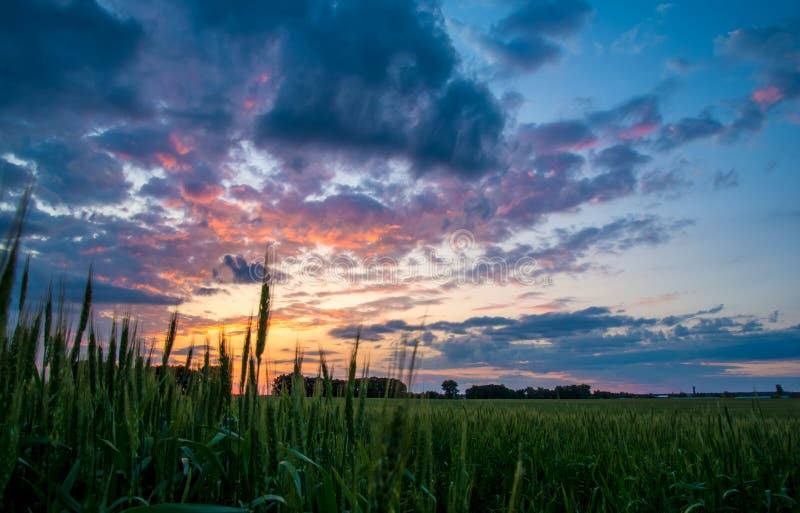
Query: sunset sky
[{"x": 540, "y": 193}]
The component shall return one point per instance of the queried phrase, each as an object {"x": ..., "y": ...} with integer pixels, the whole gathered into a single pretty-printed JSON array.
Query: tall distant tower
[{"x": 694, "y": 392}]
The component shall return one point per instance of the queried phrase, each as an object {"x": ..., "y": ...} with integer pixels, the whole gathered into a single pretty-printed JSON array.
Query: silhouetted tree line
[
  {"x": 503, "y": 392},
  {"x": 376, "y": 387}
]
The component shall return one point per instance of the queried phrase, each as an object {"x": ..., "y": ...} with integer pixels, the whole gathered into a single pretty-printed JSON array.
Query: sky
[{"x": 537, "y": 193}]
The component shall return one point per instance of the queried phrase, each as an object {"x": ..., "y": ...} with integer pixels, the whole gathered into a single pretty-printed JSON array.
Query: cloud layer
[{"x": 168, "y": 144}]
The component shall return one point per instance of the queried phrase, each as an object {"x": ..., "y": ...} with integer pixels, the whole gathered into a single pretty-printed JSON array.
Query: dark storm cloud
[
  {"x": 65, "y": 55},
  {"x": 373, "y": 332},
  {"x": 473, "y": 322},
  {"x": 139, "y": 144},
  {"x": 545, "y": 18},
  {"x": 555, "y": 137},
  {"x": 749, "y": 118},
  {"x": 558, "y": 162},
  {"x": 672, "y": 320},
  {"x": 687, "y": 130},
  {"x": 564, "y": 325},
  {"x": 209, "y": 291},
  {"x": 242, "y": 270},
  {"x": 526, "y": 38},
  {"x": 620, "y": 158},
  {"x": 36, "y": 222},
  {"x": 521, "y": 53},
  {"x": 774, "y": 48},
  {"x": 13, "y": 177},
  {"x": 402, "y": 44},
  {"x": 375, "y": 76},
  {"x": 243, "y": 16},
  {"x": 633, "y": 119},
  {"x": 161, "y": 188},
  {"x": 69, "y": 173},
  {"x": 462, "y": 130},
  {"x": 103, "y": 293}
]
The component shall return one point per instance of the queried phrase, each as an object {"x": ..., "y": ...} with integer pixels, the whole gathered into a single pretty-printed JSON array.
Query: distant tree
[
  {"x": 374, "y": 386},
  {"x": 382, "y": 387},
  {"x": 539, "y": 393},
  {"x": 778, "y": 390},
  {"x": 450, "y": 388},
  {"x": 490, "y": 392},
  {"x": 574, "y": 392}
]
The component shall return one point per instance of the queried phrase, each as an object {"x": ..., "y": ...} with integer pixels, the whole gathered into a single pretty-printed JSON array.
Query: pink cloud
[
  {"x": 767, "y": 96},
  {"x": 637, "y": 131}
]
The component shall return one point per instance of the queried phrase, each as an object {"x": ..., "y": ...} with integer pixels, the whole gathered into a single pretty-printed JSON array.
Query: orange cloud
[
  {"x": 180, "y": 147},
  {"x": 95, "y": 250},
  {"x": 371, "y": 239},
  {"x": 166, "y": 160},
  {"x": 147, "y": 288},
  {"x": 174, "y": 277}
]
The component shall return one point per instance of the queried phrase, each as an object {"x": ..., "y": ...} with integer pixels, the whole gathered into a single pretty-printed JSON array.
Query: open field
[{"x": 768, "y": 408}]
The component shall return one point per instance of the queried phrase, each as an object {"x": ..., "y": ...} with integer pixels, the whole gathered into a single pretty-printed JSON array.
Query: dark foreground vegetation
[{"x": 91, "y": 424}]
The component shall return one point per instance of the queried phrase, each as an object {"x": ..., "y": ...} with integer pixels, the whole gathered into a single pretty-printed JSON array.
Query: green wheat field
[{"x": 101, "y": 424}]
